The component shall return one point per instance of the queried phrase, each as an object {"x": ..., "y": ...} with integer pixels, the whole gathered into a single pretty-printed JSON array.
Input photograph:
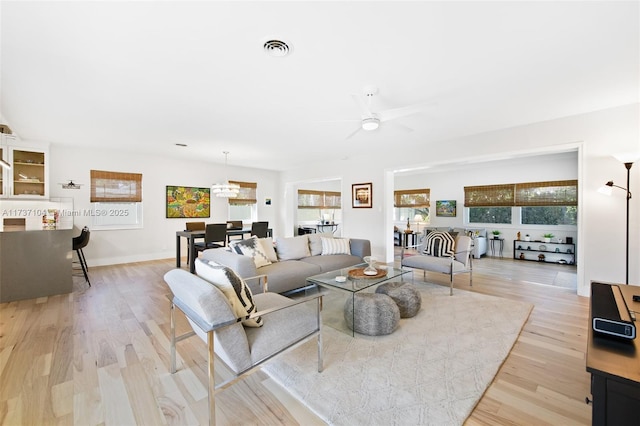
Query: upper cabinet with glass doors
[{"x": 28, "y": 175}]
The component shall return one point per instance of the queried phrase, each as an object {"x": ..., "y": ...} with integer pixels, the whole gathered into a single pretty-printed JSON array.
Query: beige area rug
[{"x": 431, "y": 371}]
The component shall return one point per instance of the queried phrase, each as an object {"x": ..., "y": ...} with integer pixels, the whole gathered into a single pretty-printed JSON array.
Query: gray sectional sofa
[{"x": 293, "y": 266}]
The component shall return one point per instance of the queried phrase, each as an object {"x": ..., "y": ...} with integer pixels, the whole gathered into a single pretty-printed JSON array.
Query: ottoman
[
  {"x": 406, "y": 296},
  {"x": 375, "y": 314}
]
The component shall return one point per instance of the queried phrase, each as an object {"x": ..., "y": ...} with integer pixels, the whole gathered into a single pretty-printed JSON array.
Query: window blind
[
  {"x": 309, "y": 199},
  {"x": 247, "y": 194},
  {"x": 115, "y": 187},
  {"x": 550, "y": 193},
  {"x": 489, "y": 195},
  {"x": 418, "y": 198}
]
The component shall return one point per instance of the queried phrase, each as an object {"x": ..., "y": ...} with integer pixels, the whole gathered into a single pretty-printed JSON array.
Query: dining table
[{"x": 192, "y": 236}]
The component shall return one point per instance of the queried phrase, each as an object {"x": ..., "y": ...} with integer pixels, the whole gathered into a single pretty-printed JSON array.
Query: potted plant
[
  {"x": 547, "y": 237},
  {"x": 496, "y": 234}
]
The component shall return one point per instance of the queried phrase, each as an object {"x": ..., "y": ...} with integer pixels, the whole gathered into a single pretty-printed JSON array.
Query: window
[
  {"x": 244, "y": 206},
  {"x": 315, "y": 205},
  {"x": 489, "y": 214},
  {"x": 116, "y": 200},
  {"x": 540, "y": 203},
  {"x": 408, "y": 203}
]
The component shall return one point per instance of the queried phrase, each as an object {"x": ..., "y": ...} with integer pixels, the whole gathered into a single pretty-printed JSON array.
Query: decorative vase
[{"x": 371, "y": 268}]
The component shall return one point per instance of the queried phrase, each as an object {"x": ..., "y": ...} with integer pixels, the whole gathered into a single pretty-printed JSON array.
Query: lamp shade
[
  {"x": 226, "y": 189},
  {"x": 605, "y": 189},
  {"x": 417, "y": 218}
]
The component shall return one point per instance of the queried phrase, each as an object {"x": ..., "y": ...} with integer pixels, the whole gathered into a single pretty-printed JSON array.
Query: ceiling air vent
[{"x": 277, "y": 48}]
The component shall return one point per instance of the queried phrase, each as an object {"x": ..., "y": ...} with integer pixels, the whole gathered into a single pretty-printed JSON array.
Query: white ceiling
[{"x": 143, "y": 76}]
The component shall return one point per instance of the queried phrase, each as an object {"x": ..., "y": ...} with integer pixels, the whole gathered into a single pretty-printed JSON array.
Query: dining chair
[
  {"x": 259, "y": 229},
  {"x": 194, "y": 226},
  {"x": 234, "y": 224},
  {"x": 215, "y": 236}
]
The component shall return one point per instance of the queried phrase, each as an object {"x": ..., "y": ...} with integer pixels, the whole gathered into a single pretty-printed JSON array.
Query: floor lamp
[{"x": 607, "y": 190}]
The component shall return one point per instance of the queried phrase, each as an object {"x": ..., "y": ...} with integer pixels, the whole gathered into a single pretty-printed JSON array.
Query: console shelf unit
[{"x": 559, "y": 253}]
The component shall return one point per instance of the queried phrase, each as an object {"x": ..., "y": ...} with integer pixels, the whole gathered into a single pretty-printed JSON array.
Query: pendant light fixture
[{"x": 226, "y": 189}]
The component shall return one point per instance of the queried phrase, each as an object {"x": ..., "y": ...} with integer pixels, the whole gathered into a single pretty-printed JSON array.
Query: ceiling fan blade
[
  {"x": 392, "y": 114},
  {"x": 354, "y": 133},
  {"x": 339, "y": 121},
  {"x": 364, "y": 107}
]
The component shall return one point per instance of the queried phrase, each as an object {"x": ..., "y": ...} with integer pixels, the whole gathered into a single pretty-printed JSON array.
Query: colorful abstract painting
[{"x": 187, "y": 201}]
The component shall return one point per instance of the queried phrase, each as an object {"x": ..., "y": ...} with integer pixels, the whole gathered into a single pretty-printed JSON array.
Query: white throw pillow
[
  {"x": 315, "y": 242},
  {"x": 233, "y": 287},
  {"x": 253, "y": 248},
  {"x": 268, "y": 248},
  {"x": 292, "y": 248},
  {"x": 335, "y": 246}
]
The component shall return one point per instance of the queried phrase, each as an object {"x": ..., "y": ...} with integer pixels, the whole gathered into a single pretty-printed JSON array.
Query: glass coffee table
[{"x": 341, "y": 292}]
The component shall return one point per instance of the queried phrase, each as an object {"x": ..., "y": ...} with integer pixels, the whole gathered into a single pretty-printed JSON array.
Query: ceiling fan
[{"x": 372, "y": 120}]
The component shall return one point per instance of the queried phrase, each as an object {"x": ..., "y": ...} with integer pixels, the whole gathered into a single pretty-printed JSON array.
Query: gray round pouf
[
  {"x": 375, "y": 314},
  {"x": 406, "y": 296}
]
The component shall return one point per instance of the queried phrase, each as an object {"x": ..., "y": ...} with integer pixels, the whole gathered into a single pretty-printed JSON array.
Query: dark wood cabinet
[{"x": 615, "y": 373}]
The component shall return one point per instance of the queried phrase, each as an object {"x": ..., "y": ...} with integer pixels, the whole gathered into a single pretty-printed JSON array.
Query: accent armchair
[
  {"x": 434, "y": 255},
  {"x": 285, "y": 323}
]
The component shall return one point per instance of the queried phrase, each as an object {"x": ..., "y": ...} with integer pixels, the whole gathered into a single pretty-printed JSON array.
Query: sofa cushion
[
  {"x": 286, "y": 275},
  {"x": 315, "y": 242},
  {"x": 268, "y": 248},
  {"x": 439, "y": 244},
  {"x": 292, "y": 248},
  {"x": 335, "y": 246},
  {"x": 331, "y": 263},
  {"x": 253, "y": 248},
  {"x": 232, "y": 286}
]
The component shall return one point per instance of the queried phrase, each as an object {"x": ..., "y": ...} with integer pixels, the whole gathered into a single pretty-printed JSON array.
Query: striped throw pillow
[
  {"x": 335, "y": 246},
  {"x": 232, "y": 286},
  {"x": 439, "y": 244}
]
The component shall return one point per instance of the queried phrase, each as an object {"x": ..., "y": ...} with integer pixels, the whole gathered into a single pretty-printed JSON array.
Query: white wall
[
  {"x": 597, "y": 135},
  {"x": 156, "y": 240}
]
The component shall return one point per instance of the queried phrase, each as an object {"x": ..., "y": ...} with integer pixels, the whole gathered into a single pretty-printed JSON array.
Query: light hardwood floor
[{"x": 99, "y": 356}]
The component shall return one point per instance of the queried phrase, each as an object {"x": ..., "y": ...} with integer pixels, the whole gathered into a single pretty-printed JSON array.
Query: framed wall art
[
  {"x": 188, "y": 201},
  {"x": 361, "y": 195},
  {"x": 446, "y": 208}
]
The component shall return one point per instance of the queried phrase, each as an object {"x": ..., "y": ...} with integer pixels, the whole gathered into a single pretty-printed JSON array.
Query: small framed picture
[
  {"x": 446, "y": 208},
  {"x": 361, "y": 194}
]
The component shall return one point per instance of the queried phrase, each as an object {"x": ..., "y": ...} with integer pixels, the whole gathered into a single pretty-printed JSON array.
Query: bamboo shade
[
  {"x": 309, "y": 199},
  {"x": 552, "y": 193},
  {"x": 115, "y": 187},
  {"x": 489, "y": 195},
  {"x": 417, "y": 198},
  {"x": 247, "y": 194}
]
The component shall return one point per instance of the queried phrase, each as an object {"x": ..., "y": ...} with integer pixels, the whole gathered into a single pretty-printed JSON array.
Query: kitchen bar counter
[{"x": 35, "y": 264}]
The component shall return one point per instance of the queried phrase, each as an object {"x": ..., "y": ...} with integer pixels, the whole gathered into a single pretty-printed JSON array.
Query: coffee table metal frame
[{"x": 354, "y": 285}]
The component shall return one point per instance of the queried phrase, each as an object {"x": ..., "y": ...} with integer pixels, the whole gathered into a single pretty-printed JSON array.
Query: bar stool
[{"x": 79, "y": 243}]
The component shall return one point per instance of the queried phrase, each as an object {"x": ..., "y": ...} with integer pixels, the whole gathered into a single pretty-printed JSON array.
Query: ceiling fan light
[{"x": 371, "y": 123}]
